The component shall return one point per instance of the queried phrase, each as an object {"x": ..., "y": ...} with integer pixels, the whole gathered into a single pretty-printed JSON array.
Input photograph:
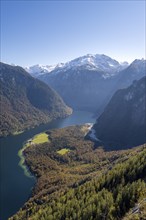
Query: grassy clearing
[
  {"x": 40, "y": 138},
  {"x": 63, "y": 151}
]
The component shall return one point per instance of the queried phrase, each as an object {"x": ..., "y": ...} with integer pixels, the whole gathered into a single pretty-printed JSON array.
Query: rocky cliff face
[{"x": 123, "y": 121}]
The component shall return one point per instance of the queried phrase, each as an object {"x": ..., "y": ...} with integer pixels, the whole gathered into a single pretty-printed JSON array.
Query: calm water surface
[{"x": 15, "y": 187}]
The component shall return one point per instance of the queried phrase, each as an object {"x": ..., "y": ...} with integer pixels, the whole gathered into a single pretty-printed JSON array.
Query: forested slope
[
  {"x": 26, "y": 102},
  {"x": 84, "y": 182}
]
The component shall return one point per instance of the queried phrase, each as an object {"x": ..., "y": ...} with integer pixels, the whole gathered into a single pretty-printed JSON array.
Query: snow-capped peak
[
  {"x": 39, "y": 69},
  {"x": 99, "y": 62}
]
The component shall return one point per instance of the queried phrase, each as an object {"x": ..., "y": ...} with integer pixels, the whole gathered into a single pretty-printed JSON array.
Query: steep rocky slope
[{"x": 123, "y": 121}]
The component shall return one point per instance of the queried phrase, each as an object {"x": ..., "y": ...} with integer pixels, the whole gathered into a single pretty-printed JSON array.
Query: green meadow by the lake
[
  {"x": 40, "y": 138},
  {"x": 37, "y": 139}
]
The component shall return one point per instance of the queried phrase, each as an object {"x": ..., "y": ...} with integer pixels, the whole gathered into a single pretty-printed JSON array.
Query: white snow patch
[
  {"x": 39, "y": 69},
  {"x": 111, "y": 64}
]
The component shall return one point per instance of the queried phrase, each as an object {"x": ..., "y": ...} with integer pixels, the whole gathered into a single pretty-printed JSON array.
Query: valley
[
  {"x": 73, "y": 110},
  {"x": 89, "y": 82},
  {"x": 83, "y": 151},
  {"x": 15, "y": 184}
]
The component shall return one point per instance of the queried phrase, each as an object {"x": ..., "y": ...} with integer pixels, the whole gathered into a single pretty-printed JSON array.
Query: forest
[{"x": 84, "y": 182}]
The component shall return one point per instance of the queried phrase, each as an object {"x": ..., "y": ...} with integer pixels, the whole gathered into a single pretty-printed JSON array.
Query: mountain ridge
[
  {"x": 85, "y": 88},
  {"x": 123, "y": 121},
  {"x": 26, "y": 101},
  {"x": 99, "y": 62}
]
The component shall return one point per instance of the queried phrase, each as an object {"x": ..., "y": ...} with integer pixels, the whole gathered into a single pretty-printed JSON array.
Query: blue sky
[{"x": 49, "y": 32}]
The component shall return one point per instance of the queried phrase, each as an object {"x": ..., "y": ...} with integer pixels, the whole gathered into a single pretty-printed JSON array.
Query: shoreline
[
  {"x": 29, "y": 179},
  {"x": 22, "y": 163},
  {"x": 20, "y": 153},
  {"x": 16, "y": 133},
  {"x": 27, "y": 144}
]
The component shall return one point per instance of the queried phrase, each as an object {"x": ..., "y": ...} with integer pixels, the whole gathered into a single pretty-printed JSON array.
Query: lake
[{"x": 15, "y": 187}]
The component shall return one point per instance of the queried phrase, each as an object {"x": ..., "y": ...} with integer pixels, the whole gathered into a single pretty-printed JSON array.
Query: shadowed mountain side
[
  {"x": 123, "y": 121},
  {"x": 25, "y": 101}
]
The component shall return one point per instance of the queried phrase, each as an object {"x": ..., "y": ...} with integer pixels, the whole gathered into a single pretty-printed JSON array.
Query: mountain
[
  {"x": 135, "y": 71},
  {"x": 25, "y": 101},
  {"x": 123, "y": 121},
  {"x": 38, "y": 69},
  {"x": 88, "y": 82},
  {"x": 83, "y": 80},
  {"x": 89, "y": 62}
]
